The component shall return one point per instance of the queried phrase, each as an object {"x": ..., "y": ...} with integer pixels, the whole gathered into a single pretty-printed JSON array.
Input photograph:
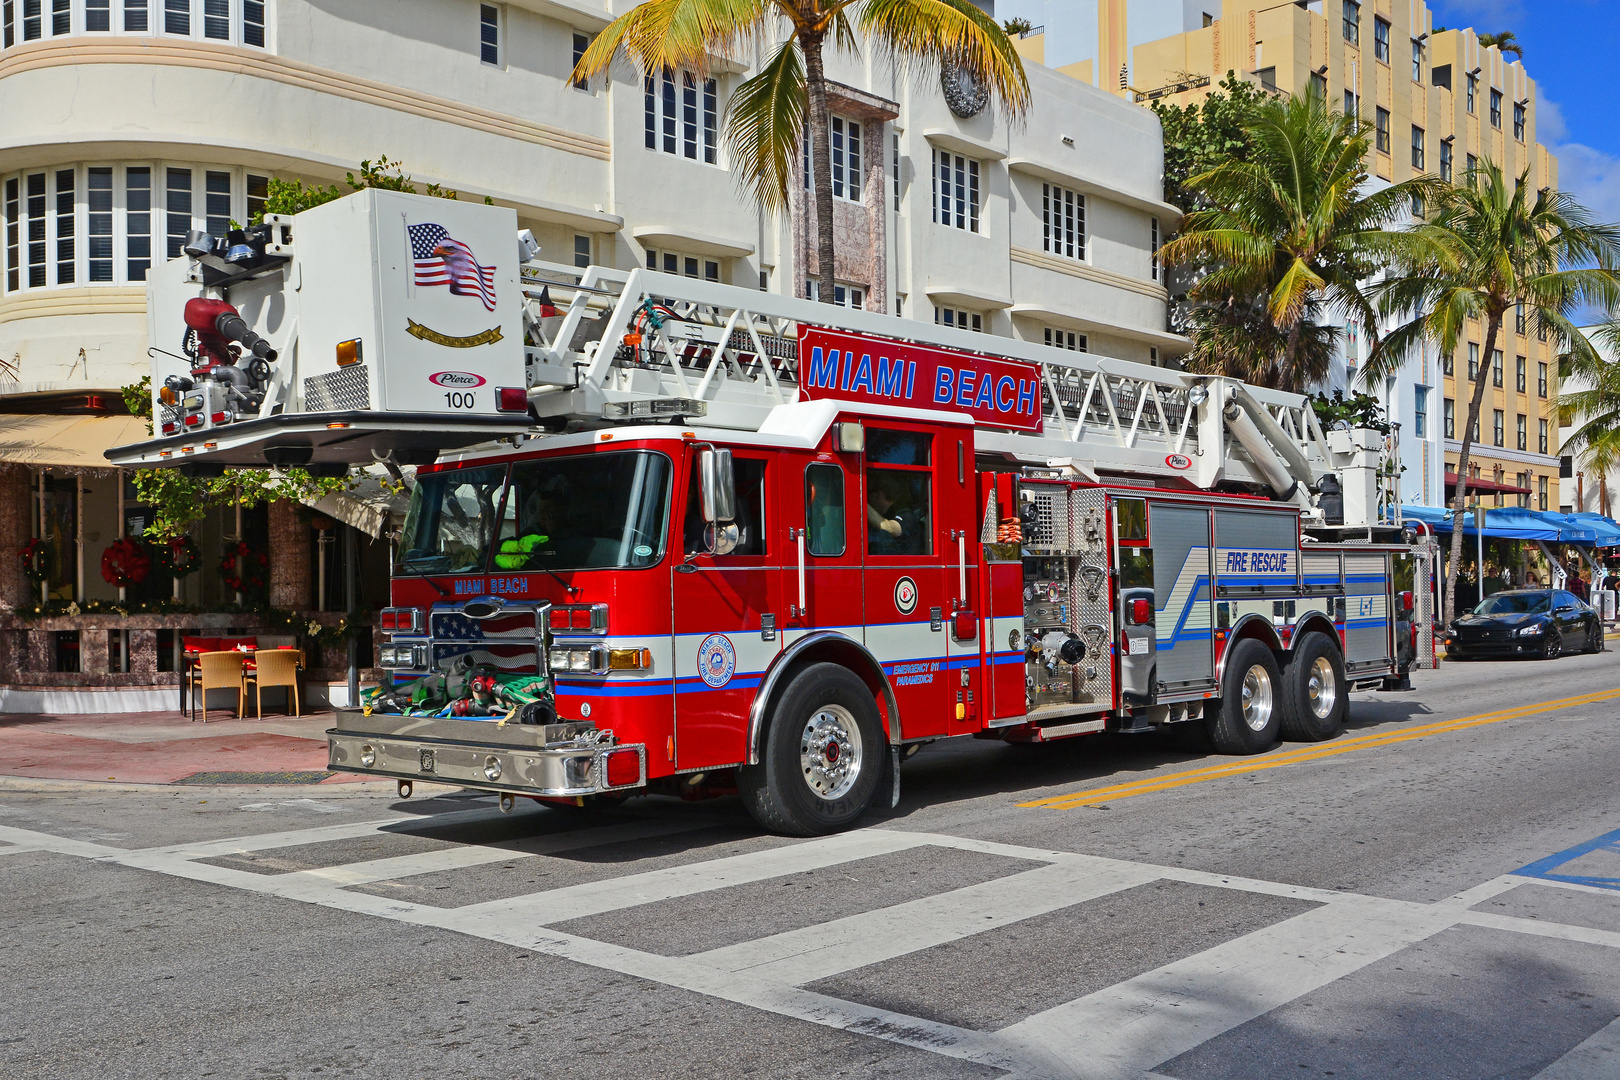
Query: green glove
[{"x": 515, "y": 553}]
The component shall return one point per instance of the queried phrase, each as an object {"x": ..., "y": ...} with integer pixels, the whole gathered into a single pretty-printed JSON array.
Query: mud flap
[{"x": 894, "y": 777}]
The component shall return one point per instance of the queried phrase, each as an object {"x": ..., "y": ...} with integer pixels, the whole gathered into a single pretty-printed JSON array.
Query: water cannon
[{"x": 217, "y": 325}]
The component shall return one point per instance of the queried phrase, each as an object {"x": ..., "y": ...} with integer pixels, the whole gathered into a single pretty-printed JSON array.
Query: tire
[
  {"x": 1316, "y": 694},
  {"x": 824, "y": 755},
  {"x": 1552, "y": 645},
  {"x": 1251, "y": 673},
  {"x": 1594, "y": 637}
]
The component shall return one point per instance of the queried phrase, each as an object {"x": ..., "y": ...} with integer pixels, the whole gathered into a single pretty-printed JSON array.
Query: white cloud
[{"x": 1592, "y": 176}]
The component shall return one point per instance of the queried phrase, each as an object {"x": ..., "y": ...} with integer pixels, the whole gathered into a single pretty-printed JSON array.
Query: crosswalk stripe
[{"x": 1595, "y": 1057}]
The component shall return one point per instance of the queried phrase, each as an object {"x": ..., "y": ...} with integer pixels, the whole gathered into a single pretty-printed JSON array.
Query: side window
[
  {"x": 1133, "y": 523},
  {"x": 824, "y": 509},
  {"x": 750, "y": 477},
  {"x": 899, "y": 493},
  {"x": 1566, "y": 599}
]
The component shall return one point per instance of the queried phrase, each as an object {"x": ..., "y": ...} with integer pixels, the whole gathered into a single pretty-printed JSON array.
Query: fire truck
[{"x": 673, "y": 536}]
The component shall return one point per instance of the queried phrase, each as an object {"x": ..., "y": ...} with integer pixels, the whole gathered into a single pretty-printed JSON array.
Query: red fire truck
[{"x": 739, "y": 541}]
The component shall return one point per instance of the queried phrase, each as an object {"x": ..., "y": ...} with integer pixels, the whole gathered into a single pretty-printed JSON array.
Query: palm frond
[{"x": 765, "y": 126}]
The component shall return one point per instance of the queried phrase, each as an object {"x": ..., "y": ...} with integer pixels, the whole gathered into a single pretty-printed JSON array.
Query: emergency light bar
[{"x": 655, "y": 409}]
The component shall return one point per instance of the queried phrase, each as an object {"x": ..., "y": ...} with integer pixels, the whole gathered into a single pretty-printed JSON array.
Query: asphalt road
[{"x": 1435, "y": 894}]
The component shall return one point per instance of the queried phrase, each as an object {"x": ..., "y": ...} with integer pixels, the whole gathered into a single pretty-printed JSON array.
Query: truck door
[
  {"x": 831, "y": 545},
  {"x": 1181, "y": 595},
  {"x": 907, "y": 599},
  {"x": 723, "y": 640},
  {"x": 965, "y": 619}
]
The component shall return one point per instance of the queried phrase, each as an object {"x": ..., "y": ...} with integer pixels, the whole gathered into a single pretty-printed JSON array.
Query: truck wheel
[
  {"x": 823, "y": 757},
  {"x": 1249, "y": 710},
  {"x": 1315, "y": 691}
]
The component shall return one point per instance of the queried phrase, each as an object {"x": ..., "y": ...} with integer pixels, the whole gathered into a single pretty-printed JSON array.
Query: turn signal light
[
  {"x": 1140, "y": 612},
  {"x": 964, "y": 626},
  {"x": 168, "y": 396},
  {"x": 629, "y": 659},
  {"x": 623, "y": 767},
  {"x": 348, "y": 352}
]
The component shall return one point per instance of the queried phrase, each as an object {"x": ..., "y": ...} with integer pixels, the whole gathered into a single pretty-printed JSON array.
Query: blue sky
[{"x": 1572, "y": 51}]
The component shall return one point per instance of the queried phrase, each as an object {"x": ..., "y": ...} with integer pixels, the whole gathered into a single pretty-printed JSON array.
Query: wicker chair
[
  {"x": 276, "y": 667},
  {"x": 216, "y": 671}
]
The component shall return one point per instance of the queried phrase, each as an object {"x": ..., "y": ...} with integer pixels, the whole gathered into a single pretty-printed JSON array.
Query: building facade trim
[
  {"x": 1175, "y": 343},
  {"x": 687, "y": 240},
  {"x": 1042, "y": 261},
  {"x": 1168, "y": 213},
  {"x": 202, "y": 55},
  {"x": 90, "y": 300}
]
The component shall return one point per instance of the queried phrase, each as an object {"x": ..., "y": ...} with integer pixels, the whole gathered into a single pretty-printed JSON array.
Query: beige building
[{"x": 1438, "y": 102}]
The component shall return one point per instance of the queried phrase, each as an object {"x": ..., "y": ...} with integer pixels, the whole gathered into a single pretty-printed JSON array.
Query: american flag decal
[{"x": 443, "y": 260}]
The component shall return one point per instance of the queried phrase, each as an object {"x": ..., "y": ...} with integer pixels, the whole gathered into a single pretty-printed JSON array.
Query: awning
[
  {"x": 79, "y": 442},
  {"x": 1491, "y": 486},
  {"x": 1509, "y": 523},
  {"x": 373, "y": 505},
  {"x": 1608, "y": 531}
]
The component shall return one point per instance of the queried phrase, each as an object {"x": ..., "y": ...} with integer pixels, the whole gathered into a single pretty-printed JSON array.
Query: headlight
[{"x": 1529, "y": 631}]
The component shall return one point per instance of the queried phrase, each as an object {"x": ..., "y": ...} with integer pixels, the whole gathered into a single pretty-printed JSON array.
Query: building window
[
  {"x": 1445, "y": 160},
  {"x": 1153, "y": 356},
  {"x": 98, "y": 228},
  {"x": 13, "y": 208},
  {"x": 253, "y": 22},
  {"x": 64, "y": 227},
  {"x": 1473, "y": 90},
  {"x": 137, "y": 222},
  {"x": 1352, "y": 22},
  {"x": 1473, "y": 361},
  {"x": 680, "y": 125},
  {"x": 217, "y": 202},
  {"x": 1541, "y": 380},
  {"x": 844, "y": 146},
  {"x": 956, "y": 191},
  {"x": 258, "y": 193},
  {"x": 1448, "y": 417},
  {"x": 1447, "y": 364},
  {"x": 1541, "y": 488},
  {"x": 1522, "y": 433},
  {"x": 1523, "y": 480},
  {"x": 489, "y": 34},
  {"x": 1541, "y": 436},
  {"x": 1063, "y": 222},
  {"x": 36, "y": 231},
  {"x": 1518, "y": 120},
  {"x": 1059, "y": 338},
  {"x": 61, "y": 18},
  {"x": 1496, "y": 109},
  {"x": 962, "y": 320},
  {"x": 844, "y": 294},
  {"x": 1518, "y": 317},
  {"x": 1319, "y": 84},
  {"x": 581, "y": 43},
  {"x": 1352, "y": 104},
  {"x": 217, "y": 19},
  {"x": 177, "y": 17},
  {"x": 1473, "y": 167},
  {"x": 1417, "y": 147},
  {"x": 1497, "y": 425},
  {"x": 97, "y": 16},
  {"x": 894, "y": 149},
  {"x": 1420, "y": 412},
  {"x": 1518, "y": 373},
  {"x": 1381, "y": 40},
  {"x": 240, "y": 22},
  {"x": 582, "y": 249},
  {"x": 673, "y": 262},
  {"x": 1381, "y": 132},
  {"x": 178, "y": 205},
  {"x": 1417, "y": 60},
  {"x": 33, "y": 27},
  {"x": 1153, "y": 241},
  {"x": 1496, "y": 367},
  {"x": 135, "y": 17}
]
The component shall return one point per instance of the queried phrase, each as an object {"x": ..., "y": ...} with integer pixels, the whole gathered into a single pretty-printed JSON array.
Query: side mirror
[{"x": 718, "y": 486}]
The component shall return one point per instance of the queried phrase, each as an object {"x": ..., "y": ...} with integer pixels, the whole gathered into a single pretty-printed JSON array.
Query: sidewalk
[{"x": 168, "y": 748}]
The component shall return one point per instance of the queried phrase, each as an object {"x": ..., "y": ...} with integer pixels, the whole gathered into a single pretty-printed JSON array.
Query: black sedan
[{"x": 1526, "y": 622}]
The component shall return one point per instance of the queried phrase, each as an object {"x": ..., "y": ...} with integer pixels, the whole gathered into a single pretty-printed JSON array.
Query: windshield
[
  {"x": 1516, "y": 604},
  {"x": 451, "y": 521},
  {"x": 591, "y": 512}
]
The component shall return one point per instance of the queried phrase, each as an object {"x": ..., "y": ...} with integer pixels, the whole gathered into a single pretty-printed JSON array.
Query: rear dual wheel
[
  {"x": 823, "y": 757},
  {"x": 1316, "y": 690},
  {"x": 1247, "y": 717}
]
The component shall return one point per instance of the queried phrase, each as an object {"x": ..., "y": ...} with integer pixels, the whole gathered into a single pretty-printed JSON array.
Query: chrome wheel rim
[
  {"x": 830, "y": 752},
  {"x": 1321, "y": 688},
  {"x": 1257, "y": 698}
]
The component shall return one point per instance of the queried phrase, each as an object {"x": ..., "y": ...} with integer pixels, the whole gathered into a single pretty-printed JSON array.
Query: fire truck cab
[{"x": 744, "y": 542}]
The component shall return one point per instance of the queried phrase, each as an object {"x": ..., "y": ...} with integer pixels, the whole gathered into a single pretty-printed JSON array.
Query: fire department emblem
[
  {"x": 905, "y": 596},
  {"x": 717, "y": 660}
]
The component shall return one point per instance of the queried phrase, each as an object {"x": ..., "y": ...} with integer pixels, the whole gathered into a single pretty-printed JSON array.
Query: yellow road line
[{"x": 1240, "y": 766}]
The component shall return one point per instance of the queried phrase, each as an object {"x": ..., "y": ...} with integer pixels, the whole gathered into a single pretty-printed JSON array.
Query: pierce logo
[
  {"x": 1178, "y": 461},
  {"x": 459, "y": 380}
]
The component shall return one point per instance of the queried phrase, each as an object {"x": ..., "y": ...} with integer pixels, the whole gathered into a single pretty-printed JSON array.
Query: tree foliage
[
  {"x": 1202, "y": 135},
  {"x": 294, "y": 197},
  {"x": 769, "y": 112},
  {"x": 1504, "y": 40}
]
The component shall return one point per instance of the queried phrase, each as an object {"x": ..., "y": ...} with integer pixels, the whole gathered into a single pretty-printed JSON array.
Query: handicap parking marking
[{"x": 1544, "y": 869}]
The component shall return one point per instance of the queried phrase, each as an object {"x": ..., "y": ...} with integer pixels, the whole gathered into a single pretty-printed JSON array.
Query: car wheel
[
  {"x": 1248, "y": 715},
  {"x": 823, "y": 758},
  {"x": 1552, "y": 646},
  {"x": 1594, "y": 636},
  {"x": 1316, "y": 693}
]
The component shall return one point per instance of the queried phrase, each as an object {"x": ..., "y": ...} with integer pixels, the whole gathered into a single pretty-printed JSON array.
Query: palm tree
[
  {"x": 765, "y": 119},
  {"x": 1491, "y": 246},
  {"x": 1505, "y": 40},
  {"x": 1291, "y": 230},
  {"x": 1596, "y": 409}
]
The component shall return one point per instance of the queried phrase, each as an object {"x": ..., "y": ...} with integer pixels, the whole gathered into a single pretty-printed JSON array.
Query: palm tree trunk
[
  {"x": 1492, "y": 326},
  {"x": 820, "y": 165},
  {"x": 1290, "y": 374}
]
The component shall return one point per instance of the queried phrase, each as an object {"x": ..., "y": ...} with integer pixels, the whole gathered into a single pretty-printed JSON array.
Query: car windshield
[
  {"x": 452, "y": 519},
  {"x": 1526, "y": 603},
  {"x": 588, "y": 512}
]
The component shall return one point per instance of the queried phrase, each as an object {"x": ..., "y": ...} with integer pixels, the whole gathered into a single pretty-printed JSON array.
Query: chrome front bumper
[{"x": 551, "y": 760}]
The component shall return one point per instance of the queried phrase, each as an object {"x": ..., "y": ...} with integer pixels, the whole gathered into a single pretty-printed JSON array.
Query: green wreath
[
  {"x": 179, "y": 556},
  {"x": 38, "y": 560}
]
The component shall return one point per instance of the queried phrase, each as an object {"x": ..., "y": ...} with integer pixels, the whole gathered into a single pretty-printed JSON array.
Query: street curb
[{"x": 32, "y": 785}]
